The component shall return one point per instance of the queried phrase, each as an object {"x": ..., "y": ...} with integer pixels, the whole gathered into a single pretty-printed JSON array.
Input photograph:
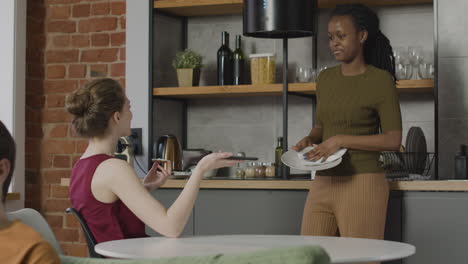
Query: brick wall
[{"x": 69, "y": 42}]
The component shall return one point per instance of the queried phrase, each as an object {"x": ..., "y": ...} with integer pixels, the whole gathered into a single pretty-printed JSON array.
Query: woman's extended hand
[
  {"x": 324, "y": 150},
  {"x": 215, "y": 161},
  {"x": 154, "y": 179},
  {"x": 303, "y": 143}
]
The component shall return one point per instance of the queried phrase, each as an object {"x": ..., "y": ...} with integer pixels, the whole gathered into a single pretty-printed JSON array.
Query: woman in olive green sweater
[{"x": 357, "y": 109}]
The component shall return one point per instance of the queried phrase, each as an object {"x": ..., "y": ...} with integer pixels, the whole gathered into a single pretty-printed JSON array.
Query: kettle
[{"x": 168, "y": 148}]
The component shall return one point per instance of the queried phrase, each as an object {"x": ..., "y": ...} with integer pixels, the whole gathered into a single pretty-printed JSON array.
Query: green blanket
[{"x": 294, "y": 255}]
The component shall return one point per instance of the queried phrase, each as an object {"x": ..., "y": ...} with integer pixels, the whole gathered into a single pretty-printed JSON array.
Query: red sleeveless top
[{"x": 107, "y": 221}]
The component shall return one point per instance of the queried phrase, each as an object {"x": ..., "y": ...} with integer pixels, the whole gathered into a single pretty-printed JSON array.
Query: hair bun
[
  {"x": 93, "y": 105},
  {"x": 78, "y": 102}
]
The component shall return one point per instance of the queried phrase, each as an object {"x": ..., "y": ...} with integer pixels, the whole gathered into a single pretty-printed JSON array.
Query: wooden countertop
[
  {"x": 304, "y": 185},
  {"x": 13, "y": 196},
  {"x": 444, "y": 186}
]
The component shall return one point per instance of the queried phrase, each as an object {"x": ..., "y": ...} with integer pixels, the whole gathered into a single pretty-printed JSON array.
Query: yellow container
[{"x": 262, "y": 68}]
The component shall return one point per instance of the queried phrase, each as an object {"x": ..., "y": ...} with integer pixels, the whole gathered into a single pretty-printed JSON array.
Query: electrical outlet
[{"x": 137, "y": 141}]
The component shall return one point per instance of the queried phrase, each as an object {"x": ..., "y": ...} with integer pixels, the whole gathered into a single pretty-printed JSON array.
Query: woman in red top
[{"x": 113, "y": 200}]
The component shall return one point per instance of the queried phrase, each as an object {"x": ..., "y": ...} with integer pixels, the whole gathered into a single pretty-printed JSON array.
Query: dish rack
[{"x": 407, "y": 165}]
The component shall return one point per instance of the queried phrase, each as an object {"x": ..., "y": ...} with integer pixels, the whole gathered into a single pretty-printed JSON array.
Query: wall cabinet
[{"x": 437, "y": 224}]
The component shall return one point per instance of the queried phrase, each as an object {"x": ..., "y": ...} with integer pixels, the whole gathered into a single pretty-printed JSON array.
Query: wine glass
[
  {"x": 401, "y": 55},
  {"x": 428, "y": 56},
  {"x": 403, "y": 71},
  {"x": 415, "y": 54}
]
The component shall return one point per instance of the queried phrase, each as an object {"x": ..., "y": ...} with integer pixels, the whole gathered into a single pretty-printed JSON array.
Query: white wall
[
  {"x": 12, "y": 84},
  {"x": 137, "y": 69},
  {"x": 7, "y": 23}
]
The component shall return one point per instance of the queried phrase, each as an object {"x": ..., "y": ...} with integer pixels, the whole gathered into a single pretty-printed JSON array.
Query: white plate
[
  {"x": 295, "y": 160},
  {"x": 296, "y": 163},
  {"x": 331, "y": 158},
  {"x": 180, "y": 174}
]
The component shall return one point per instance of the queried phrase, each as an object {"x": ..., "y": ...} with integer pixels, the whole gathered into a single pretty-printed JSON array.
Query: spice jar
[
  {"x": 240, "y": 173},
  {"x": 262, "y": 68},
  {"x": 259, "y": 170},
  {"x": 249, "y": 171},
  {"x": 270, "y": 170}
]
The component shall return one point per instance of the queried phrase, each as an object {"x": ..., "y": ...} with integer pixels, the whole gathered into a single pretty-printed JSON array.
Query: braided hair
[{"x": 377, "y": 49}]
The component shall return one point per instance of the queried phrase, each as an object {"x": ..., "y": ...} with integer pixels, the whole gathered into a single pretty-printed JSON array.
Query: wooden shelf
[
  {"x": 405, "y": 86},
  {"x": 223, "y": 7},
  {"x": 199, "y": 7},
  {"x": 416, "y": 86},
  {"x": 232, "y": 90}
]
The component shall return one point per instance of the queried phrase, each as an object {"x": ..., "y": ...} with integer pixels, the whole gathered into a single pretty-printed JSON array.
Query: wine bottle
[
  {"x": 224, "y": 61},
  {"x": 238, "y": 63},
  {"x": 278, "y": 154}
]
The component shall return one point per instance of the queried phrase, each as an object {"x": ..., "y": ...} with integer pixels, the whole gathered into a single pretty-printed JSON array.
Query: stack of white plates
[{"x": 295, "y": 160}]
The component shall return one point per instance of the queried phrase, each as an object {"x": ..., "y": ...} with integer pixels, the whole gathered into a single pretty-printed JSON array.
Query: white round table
[{"x": 340, "y": 249}]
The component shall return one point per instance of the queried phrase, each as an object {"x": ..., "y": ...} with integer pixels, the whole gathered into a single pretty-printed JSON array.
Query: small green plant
[{"x": 187, "y": 59}]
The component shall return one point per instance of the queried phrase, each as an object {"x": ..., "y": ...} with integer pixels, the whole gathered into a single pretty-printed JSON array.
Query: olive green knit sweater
[{"x": 356, "y": 105}]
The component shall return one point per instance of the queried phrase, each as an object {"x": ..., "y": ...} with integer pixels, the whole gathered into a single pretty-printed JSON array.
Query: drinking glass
[
  {"x": 403, "y": 71},
  {"x": 415, "y": 54},
  {"x": 401, "y": 55},
  {"x": 426, "y": 71},
  {"x": 304, "y": 74}
]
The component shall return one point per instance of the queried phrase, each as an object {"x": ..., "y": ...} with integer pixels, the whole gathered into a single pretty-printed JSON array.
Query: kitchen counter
[
  {"x": 304, "y": 184},
  {"x": 442, "y": 186},
  {"x": 13, "y": 196}
]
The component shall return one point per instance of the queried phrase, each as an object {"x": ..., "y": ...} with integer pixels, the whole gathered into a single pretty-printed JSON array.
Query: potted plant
[{"x": 188, "y": 64}]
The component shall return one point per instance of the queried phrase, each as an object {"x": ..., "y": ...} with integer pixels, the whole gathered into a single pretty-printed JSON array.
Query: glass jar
[
  {"x": 270, "y": 170},
  {"x": 240, "y": 173},
  {"x": 249, "y": 171},
  {"x": 262, "y": 68},
  {"x": 259, "y": 170}
]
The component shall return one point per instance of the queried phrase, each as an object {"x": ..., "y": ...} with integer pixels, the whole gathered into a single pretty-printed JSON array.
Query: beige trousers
[{"x": 349, "y": 206}]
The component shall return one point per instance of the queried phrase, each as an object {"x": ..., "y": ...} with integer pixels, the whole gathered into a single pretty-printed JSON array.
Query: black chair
[{"x": 90, "y": 241}]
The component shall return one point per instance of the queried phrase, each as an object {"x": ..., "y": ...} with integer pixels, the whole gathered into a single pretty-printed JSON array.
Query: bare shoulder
[{"x": 114, "y": 169}]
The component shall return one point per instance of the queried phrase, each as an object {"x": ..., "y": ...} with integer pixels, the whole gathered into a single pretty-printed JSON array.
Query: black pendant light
[
  {"x": 278, "y": 18},
  {"x": 281, "y": 19}
]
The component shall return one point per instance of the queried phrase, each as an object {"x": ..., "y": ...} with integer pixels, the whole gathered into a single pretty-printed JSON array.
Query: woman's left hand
[
  {"x": 324, "y": 150},
  {"x": 154, "y": 179}
]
